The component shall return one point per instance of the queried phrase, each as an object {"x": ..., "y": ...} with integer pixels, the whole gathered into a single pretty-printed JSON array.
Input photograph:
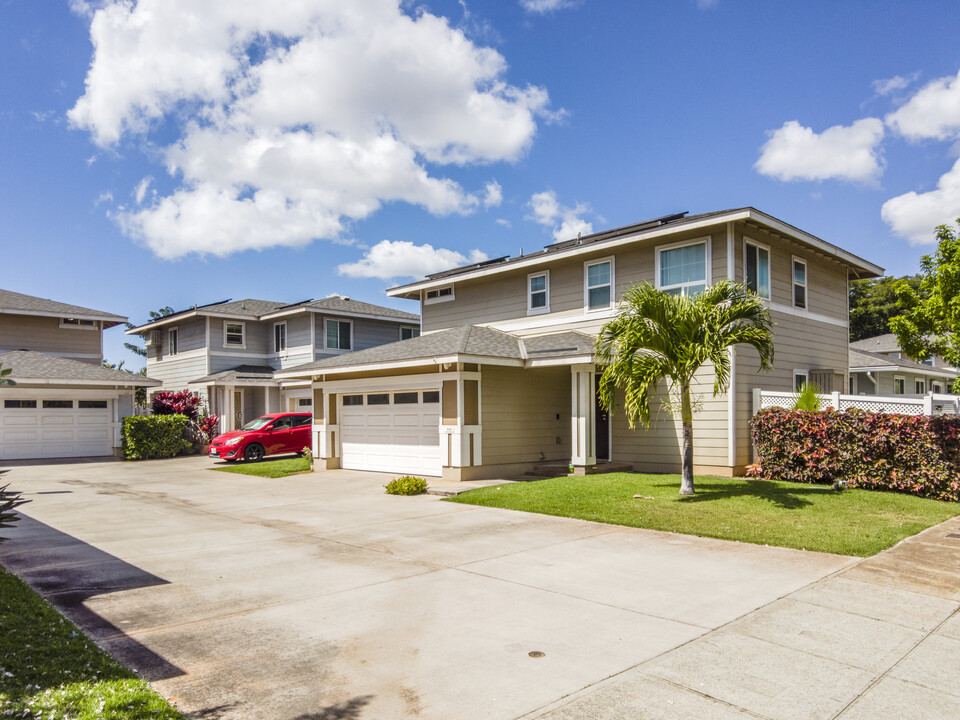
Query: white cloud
[
  {"x": 897, "y": 82},
  {"x": 546, "y": 6},
  {"x": 104, "y": 197},
  {"x": 795, "y": 152},
  {"x": 91, "y": 160},
  {"x": 141, "y": 191},
  {"x": 565, "y": 222},
  {"x": 390, "y": 259},
  {"x": 297, "y": 117},
  {"x": 915, "y": 216},
  {"x": 493, "y": 194},
  {"x": 706, "y": 4},
  {"x": 932, "y": 113},
  {"x": 504, "y": 222}
]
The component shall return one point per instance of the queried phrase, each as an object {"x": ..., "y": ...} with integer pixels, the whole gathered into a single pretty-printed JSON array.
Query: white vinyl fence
[{"x": 901, "y": 404}]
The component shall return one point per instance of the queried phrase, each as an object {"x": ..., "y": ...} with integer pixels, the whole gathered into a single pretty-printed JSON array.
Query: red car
[{"x": 272, "y": 434}]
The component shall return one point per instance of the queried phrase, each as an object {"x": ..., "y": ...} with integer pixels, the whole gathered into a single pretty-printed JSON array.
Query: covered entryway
[
  {"x": 397, "y": 432},
  {"x": 55, "y": 428}
]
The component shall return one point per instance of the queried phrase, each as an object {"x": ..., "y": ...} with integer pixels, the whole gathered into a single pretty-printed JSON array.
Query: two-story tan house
[
  {"x": 64, "y": 403},
  {"x": 503, "y": 377},
  {"x": 227, "y": 352}
]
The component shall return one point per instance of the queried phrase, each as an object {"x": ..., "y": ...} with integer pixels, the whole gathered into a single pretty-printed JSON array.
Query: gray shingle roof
[
  {"x": 878, "y": 344},
  {"x": 249, "y": 307},
  {"x": 558, "y": 345},
  {"x": 27, "y": 365},
  {"x": 342, "y": 304},
  {"x": 865, "y": 359},
  {"x": 29, "y": 305},
  {"x": 239, "y": 373}
]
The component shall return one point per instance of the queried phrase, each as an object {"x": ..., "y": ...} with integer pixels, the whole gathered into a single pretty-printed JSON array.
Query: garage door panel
[
  {"x": 92, "y": 420},
  {"x": 27, "y": 433},
  {"x": 10, "y": 420},
  {"x": 58, "y": 419}
]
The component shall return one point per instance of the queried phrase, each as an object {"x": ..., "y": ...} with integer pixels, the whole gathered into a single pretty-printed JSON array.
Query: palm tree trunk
[{"x": 686, "y": 461}]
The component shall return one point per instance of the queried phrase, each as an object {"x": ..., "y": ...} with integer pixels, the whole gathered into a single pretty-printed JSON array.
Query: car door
[
  {"x": 281, "y": 436},
  {"x": 301, "y": 432}
]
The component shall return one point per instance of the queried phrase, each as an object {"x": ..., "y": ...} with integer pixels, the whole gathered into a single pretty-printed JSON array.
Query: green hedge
[
  {"x": 154, "y": 436},
  {"x": 910, "y": 454}
]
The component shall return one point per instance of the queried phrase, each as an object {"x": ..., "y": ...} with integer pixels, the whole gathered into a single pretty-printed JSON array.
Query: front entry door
[
  {"x": 238, "y": 409},
  {"x": 602, "y": 433}
]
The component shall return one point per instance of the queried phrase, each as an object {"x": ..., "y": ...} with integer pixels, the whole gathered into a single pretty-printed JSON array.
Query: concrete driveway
[{"x": 318, "y": 596}]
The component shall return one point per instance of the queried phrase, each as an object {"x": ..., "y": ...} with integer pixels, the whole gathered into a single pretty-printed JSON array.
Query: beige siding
[
  {"x": 518, "y": 414},
  {"x": 44, "y": 334}
]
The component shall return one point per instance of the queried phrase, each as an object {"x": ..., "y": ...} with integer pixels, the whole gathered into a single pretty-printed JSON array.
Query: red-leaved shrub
[
  {"x": 911, "y": 454},
  {"x": 183, "y": 402}
]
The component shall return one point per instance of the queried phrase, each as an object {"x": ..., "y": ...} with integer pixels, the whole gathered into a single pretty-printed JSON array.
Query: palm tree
[
  {"x": 660, "y": 336},
  {"x": 154, "y": 315}
]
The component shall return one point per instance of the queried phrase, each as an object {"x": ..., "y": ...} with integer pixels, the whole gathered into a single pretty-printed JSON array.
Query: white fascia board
[
  {"x": 189, "y": 314},
  {"x": 145, "y": 382},
  {"x": 745, "y": 214},
  {"x": 418, "y": 362},
  {"x": 905, "y": 370},
  {"x": 218, "y": 383},
  {"x": 75, "y": 316},
  {"x": 289, "y": 384},
  {"x": 570, "y": 360}
]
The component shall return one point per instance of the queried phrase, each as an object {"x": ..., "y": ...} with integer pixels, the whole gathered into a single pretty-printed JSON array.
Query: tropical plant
[
  {"x": 930, "y": 323},
  {"x": 182, "y": 402},
  {"x": 808, "y": 398},
  {"x": 406, "y": 485},
  {"x": 659, "y": 336},
  {"x": 153, "y": 315},
  {"x": 207, "y": 426},
  {"x": 9, "y": 500},
  {"x": 4, "y": 380}
]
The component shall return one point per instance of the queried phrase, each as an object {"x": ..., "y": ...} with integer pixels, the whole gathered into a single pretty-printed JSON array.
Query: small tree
[
  {"x": 930, "y": 323},
  {"x": 661, "y": 336}
]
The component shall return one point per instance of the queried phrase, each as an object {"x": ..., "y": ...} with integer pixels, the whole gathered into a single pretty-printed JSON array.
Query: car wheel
[{"x": 253, "y": 452}]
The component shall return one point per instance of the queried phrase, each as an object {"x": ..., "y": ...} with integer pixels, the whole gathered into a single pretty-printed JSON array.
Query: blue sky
[{"x": 162, "y": 153}]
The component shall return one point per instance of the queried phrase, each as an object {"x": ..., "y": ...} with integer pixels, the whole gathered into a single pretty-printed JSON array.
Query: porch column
[
  {"x": 582, "y": 415},
  {"x": 231, "y": 411},
  {"x": 460, "y": 429},
  {"x": 325, "y": 430}
]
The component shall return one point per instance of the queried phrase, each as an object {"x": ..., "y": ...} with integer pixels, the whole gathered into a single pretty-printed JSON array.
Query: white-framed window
[
  {"x": 899, "y": 385},
  {"x": 409, "y": 331},
  {"x": 928, "y": 362},
  {"x": 756, "y": 268},
  {"x": 683, "y": 268},
  {"x": 437, "y": 295},
  {"x": 799, "y": 283},
  {"x": 800, "y": 378},
  {"x": 280, "y": 336},
  {"x": 338, "y": 335},
  {"x": 853, "y": 384},
  {"x": 538, "y": 293},
  {"x": 77, "y": 324},
  {"x": 936, "y": 388},
  {"x": 234, "y": 334},
  {"x": 598, "y": 284},
  {"x": 895, "y": 354},
  {"x": 173, "y": 341},
  {"x": 920, "y": 387}
]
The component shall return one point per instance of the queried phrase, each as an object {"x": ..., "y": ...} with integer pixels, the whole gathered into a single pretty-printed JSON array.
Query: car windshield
[{"x": 257, "y": 423}]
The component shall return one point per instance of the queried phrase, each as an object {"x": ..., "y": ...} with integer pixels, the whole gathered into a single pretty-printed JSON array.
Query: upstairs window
[
  {"x": 77, "y": 323},
  {"x": 598, "y": 284},
  {"x": 407, "y": 332},
  {"x": 538, "y": 293},
  {"x": 438, "y": 295},
  {"x": 233, "y": 334},
  {"x": 339, "y": 335},
  {"x": 173, "y": 341},
  {"x": 279, "y": 337},
  {"x": 683, "y": 270},
  {"x": 757, "y": 269},
  {"x": 800, "y": 283}
]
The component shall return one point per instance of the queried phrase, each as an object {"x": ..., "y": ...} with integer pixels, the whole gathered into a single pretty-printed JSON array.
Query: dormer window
[
  {"x": 443, "y": 294},
  {"x": 77, "y": 323}
]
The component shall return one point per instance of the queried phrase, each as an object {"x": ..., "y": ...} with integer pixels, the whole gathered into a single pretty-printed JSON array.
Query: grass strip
[
  {"x": 793, "y": 515},
  {"x": 49, "y": 669},
  {"x": 269, "y": 468}
]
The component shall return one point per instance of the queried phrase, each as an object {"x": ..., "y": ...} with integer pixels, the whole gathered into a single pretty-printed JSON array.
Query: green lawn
[
  {"x": 810, "y": 517},
  {"x": 269, "y": 468},
  {"x": 50, "y": 669}
]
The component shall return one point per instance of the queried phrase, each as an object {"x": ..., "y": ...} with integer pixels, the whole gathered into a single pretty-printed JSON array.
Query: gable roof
[
  {"x": 15, "y": 303},
  {"x": 31, "y": 367},
  {"x": 253, "y": 309},
  {"x": 866, "y": 361},
  {"x": 467, "y": 343},
  {"x": 658, "y": 227},
  {"x": 878, "y": 344}
]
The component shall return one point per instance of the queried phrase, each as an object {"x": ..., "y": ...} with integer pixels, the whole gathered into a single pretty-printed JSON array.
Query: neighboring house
[
  {"x": 879, "y": 367},
  {"x": 504, "y": 378},
  {"x": 227, "y": 351},
  {"x": 65, "y": 403}
]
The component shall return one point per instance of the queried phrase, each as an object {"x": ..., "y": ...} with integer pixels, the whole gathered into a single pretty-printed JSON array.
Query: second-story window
[
  {"x": 173, "y": 341},
  {"x": 339, "y": 335},
  {"x": 598, "y": 284},
  {"x": 682, "y": 270},
  {"x": 436, "y": 295},
  {"x": 279, "y": 337},
  {"x": 408, "y": 331},
  {"x": 233, "y": 334},
  {"x": 76, "y": 323},
  {"x": 757, "y": 269},
  {"x": 800, "y": 283},
  {"x": 538, "y": 293}
]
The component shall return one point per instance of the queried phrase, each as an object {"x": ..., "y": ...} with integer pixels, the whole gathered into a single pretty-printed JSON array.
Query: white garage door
[
  {"x": 395, "y": 432},
  {"x": 54, "y": 429}
]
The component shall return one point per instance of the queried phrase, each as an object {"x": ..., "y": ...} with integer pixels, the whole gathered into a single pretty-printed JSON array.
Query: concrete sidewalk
[{"x": 878, "y": 640}]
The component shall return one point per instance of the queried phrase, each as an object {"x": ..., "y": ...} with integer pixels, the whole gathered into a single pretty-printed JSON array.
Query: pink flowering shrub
[
  {"x": 910, "y": 454},
  {"x": 177, "y": 403}
]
